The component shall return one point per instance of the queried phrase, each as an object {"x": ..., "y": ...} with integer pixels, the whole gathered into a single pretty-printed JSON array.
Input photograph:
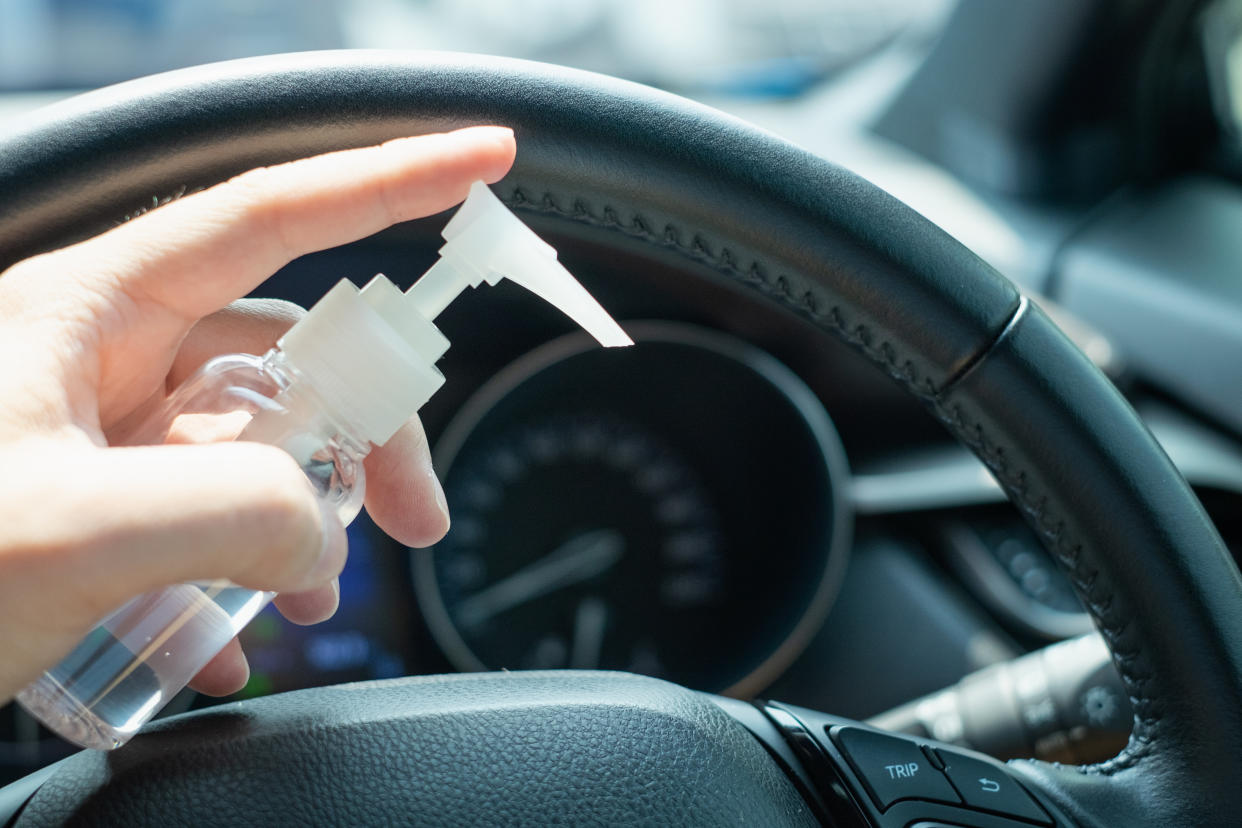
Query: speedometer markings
[
  {"x": 507, "y": 465},
  {"x": 689, "y": 589},
  {"x": 656, "y": 478},
  {"x": 544, "y": 446},
  {"x": 541, "y": 487},
  {"x": 481, "y": 495},
  {"x": 468, "y": 531},
  {"x": 627, "y": 454},
  {"x": 590, "y": 622},
  {"x": 680, "y": 508},
  {"x": 466, "y": 570},
  {"x": 690, "y": 548}
]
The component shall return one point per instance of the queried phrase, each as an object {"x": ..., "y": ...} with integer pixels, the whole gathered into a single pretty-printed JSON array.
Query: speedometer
[{"x": 675, "y": 510}]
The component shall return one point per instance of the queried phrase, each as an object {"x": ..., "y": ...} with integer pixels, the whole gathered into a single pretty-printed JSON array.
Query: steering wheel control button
[
  {"x": 893, "y": 768},
  {"x": 989, "y": 788}
]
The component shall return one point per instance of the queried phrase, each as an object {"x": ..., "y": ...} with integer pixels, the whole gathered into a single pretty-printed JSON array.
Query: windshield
[{"x": 747, "y": 47}]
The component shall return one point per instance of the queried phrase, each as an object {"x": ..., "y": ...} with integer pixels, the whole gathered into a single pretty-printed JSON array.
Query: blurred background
[
  {"x": 1027, "y": 110},
  {"x": 786, "y": 65},
  {"x": 758, "y": 47}
]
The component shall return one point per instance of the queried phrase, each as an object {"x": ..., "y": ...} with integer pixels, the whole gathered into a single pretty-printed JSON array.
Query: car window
[{"x": 753, "y": 47}]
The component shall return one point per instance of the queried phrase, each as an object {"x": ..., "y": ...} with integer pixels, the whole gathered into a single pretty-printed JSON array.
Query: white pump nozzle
[
  {"x": 372, "y": 354},
  {"x": 485, "y": 241}
]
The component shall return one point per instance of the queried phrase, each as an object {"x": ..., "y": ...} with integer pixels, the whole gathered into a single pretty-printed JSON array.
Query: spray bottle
[{"x": 341, "y": 380}]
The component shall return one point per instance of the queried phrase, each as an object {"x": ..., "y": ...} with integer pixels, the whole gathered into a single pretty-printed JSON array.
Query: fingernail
[
  {"x": 336, "y": 590},
  {"x": 441, "y": 501}
]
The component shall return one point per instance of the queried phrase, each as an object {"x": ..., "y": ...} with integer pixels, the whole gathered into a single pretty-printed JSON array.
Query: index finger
[{"x": 197, "y": 254}]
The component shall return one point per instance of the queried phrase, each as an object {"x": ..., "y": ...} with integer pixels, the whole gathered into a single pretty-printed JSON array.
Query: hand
[{"x": 103, "y": 329}]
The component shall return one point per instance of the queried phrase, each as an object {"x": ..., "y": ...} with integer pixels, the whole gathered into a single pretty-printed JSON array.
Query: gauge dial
[
  {"x": 581, "y": 542},
  {"x": 670, "y": 509}
]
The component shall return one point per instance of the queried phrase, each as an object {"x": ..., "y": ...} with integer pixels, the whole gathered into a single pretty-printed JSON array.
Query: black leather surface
[
  {"x": 1112, "y": 508},
  {"x": 567, "y": 748},
  {"x": 622, "y": 157},
  {"x": 622, "y": 165}
]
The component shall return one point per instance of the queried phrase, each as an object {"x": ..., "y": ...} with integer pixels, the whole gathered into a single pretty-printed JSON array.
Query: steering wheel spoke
[{"x": 871, "y": 777}]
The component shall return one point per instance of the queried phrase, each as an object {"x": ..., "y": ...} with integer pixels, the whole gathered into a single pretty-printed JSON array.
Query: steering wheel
[{"x": 648, "y": 175}]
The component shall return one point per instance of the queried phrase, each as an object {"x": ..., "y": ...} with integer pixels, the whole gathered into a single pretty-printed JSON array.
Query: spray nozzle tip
[{"x": 486, "y": 237}]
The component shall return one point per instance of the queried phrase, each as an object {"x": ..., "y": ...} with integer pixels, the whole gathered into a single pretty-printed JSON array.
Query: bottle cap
[{"x": 371, "y": 354}]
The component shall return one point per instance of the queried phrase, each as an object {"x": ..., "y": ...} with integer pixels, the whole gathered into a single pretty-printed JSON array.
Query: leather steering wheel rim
[{"x": 654, "y": 175}]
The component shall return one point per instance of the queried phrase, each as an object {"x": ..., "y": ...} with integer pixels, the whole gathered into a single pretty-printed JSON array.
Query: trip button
[
  {"x": 893, "y": 768},
  {"x": 989, "y": 788}
]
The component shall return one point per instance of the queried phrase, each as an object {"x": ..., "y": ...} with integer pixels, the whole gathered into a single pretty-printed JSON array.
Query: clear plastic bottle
[
  {"x": 144, "y": 653},
  {"x": 343, "y": 379}
]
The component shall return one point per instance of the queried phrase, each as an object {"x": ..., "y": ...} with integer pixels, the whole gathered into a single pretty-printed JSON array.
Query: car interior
[{"x": 917, "y": 501}]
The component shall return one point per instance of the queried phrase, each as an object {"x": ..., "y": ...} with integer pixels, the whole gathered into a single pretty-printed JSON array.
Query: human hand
[{"x": 103, "y": 330}]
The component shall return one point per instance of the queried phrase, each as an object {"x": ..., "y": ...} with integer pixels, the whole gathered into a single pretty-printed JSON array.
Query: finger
[
  {"x": 126, "y": 521},
  {"x": 311, "y": 606},
  {"x": 404, "y": 497},
  {"x": 247, "y": 326},
  {"x": 227, "y": 673},
  {"x": 199, "y": 253}
]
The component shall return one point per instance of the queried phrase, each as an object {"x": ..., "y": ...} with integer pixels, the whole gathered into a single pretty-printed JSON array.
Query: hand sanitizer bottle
[{"x": 343, "y": 379}]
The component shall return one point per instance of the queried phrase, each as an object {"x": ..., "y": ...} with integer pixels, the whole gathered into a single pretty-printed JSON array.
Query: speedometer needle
[
  {"x": 590, "y": 622},
  {"x": 574, "y": 561}
]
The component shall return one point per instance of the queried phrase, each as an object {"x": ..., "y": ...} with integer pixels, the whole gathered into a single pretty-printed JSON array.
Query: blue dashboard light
[{"x": 333, "y": 651}]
